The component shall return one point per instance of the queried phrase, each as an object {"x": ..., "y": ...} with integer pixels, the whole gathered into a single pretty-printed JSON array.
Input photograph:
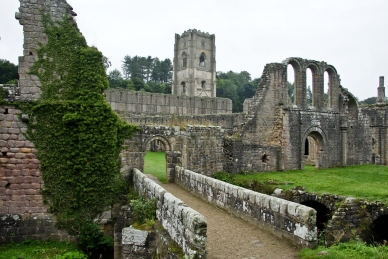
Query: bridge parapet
[
  {"x": 185, "y": 226},
  {"x": 283, "y": 218}
]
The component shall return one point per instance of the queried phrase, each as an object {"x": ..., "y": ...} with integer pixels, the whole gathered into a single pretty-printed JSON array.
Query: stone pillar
[
  {"x": 344, "y": 140},
  {"x": 381, "y": 91}
]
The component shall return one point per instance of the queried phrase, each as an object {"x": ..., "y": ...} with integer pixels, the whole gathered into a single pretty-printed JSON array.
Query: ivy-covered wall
[{"x": 72, "y": 136}]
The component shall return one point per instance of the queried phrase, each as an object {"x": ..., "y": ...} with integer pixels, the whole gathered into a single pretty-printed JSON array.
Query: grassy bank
[
  {"x": 360, "y": 181},
  {"x": 38, "y": 250},
  {"x": 155, "y": 164}
]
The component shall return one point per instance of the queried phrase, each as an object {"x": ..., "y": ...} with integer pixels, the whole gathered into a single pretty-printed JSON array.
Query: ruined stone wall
[
  {"x": 229, "y": 122},
  {"x": 22, "y": 212},
  {"x": 30, "y": 17},
  {"x": 185, "y": 226},
  {"x": 144, "y": 103},
  {"x": 199, "y": 148},
  {"x": 323, "y": 127},
  {"x": 286, "y": 219},
  {"x": 376, "y": 117}
]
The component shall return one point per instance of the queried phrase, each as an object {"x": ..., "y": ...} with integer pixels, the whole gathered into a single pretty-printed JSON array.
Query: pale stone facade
[{"x": 194, "y": 64}]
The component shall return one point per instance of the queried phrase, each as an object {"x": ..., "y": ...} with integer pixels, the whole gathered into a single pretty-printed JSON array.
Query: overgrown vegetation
[
  {"x": 353, "y": 249},
  {"x": 8, "y": 72},
  {"x": 359, "y": 181},
  {"x": 76, "y": 133},
  {"x": 37, "y": 250},
  {"x": 92, "y": 239},
  {"x": 143, "y": 211},
  {"x": 155, "y": 164}
]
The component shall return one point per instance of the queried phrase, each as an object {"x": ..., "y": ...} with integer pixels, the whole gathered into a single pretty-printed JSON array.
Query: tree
[
  {"x": 115, "y": 79},
  {"x": 370, "y": 100},
  {"x": 309, "y": 95},
  {"x": 8, "y": 72},
  {"x": 291, "y": 91},
  {"x": 237, "y": 87}
]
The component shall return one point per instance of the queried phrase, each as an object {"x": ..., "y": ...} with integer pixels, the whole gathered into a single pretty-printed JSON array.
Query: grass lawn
[
  {"x": 155, "y": 164},
  {"x": 360, "y": 181},
  {"x": 38, "y": 250},
  {"x": 354, "y": 250}
]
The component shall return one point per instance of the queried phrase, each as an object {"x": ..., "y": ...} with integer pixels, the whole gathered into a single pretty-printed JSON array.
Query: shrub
[{"x": 91, "y": 238}]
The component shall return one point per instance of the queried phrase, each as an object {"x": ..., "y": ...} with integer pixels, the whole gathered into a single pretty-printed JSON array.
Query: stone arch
[
  {"x": 184, "y": 59},
  {"x": 333, "y": 87},
  {"x": 299, "y": 82},
  {"x": 170, "y": 166},
  {"x": 378, "y": 230},
  {"x": 317, "y": 85},
  {"x": 320, "y": 141},
  {"x": 352, "y": 106},
  {"x": 323, "y": 213},
  {"x": 202, "y": 59}
]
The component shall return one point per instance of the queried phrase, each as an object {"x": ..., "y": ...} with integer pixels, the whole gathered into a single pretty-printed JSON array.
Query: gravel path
[{"x": 231, "y": 237}]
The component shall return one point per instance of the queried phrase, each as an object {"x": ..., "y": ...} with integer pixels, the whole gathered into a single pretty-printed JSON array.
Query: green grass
[
  {"x": 38, "y": 250},
  {"x": 360, "y": 181},
  {"x": 354, "y": 250},
  {"x": 155, "y": 164}
]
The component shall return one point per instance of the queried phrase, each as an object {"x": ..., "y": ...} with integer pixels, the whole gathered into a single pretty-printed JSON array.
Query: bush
[
  {"x": 91, "y": 238},
  {"x": 143, "y": 210}
]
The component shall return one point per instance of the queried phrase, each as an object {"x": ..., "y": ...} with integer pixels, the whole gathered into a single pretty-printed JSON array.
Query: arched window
[
  {"x": 202, "y": 60},
  {"x": 183, "y": 84},
  {"x": 203, "y": 84},
  {"x": 184, "y": 59}
]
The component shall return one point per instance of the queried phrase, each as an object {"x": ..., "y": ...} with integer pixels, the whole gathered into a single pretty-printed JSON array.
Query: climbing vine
[{"x": 76, "y": 133}]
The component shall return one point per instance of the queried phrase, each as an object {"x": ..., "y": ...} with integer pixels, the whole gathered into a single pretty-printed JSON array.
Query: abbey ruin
[{"x": 197, "y": 130}]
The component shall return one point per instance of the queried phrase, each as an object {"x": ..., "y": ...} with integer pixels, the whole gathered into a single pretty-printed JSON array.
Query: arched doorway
[
  {"x": 159, "y": 158},
  {"x": 313, "y": 148}
]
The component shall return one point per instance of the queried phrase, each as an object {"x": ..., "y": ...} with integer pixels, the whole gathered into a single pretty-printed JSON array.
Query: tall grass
[
  {"x": 359, "y": 181},
  {"x": 155, "y": 164},
  {"x": 37, "y": 250}
]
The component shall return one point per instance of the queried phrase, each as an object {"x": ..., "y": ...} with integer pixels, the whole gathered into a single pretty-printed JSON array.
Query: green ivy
[{"x": 76, "y": 133}]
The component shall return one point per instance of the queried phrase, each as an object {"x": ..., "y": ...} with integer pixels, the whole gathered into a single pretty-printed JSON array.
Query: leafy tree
[
  {"x": 116, "y": 80},
  {"x": 8, "y": 72},
  {"x": 309, "y": 95},
  {"x": 237, "y": 87},
  {"x": 370, "y": 100}
]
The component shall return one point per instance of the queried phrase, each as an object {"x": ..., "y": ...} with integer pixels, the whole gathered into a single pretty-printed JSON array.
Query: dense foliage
[
  {"x": 237, "y": 87},
  {"x": 8, "y": 72},
  {"x": 77, "y": 135},
  {"x": 143, "y": 74}
]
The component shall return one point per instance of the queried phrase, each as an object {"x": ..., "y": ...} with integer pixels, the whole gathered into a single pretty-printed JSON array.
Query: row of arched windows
[{"x": 202, "y": 59}]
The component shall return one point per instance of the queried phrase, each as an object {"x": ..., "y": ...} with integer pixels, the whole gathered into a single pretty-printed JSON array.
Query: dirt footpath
[{"x": 231, "y": 237}]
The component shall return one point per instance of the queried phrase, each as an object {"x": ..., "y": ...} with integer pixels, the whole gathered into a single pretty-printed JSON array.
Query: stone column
[
  {"x": 344, "y": 140},
  {"x": 381, "y": 91}
]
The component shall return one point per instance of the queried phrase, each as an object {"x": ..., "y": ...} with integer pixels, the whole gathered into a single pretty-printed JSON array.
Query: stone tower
[
  {"x": 381, "y": 91},
  {"x": 194, "y": 64}
]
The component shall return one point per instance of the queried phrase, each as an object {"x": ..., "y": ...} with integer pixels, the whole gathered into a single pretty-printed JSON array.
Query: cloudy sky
[{"x": 351, "y": 35}]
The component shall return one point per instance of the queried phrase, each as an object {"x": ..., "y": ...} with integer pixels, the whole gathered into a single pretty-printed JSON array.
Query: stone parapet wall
[
  {"x": 226, "y": 121},
  {"x": 286, "y": 219},
  {"x": 144, "y": 103},
  {"x": 186, "y": 226}
]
